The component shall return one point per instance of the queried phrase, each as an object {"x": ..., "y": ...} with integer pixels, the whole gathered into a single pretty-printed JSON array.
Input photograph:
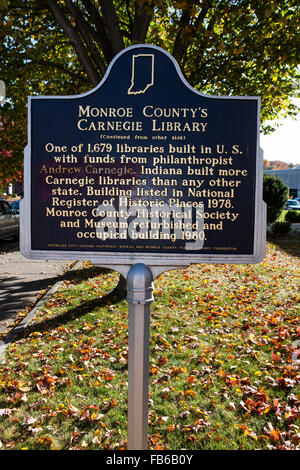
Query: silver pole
[{"x": 139, "y": 298}]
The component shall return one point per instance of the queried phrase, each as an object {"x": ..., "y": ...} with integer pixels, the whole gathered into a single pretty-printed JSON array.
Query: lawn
[
  {"x": 282, "y": 215},
  {"x": 223, "y": 361}
]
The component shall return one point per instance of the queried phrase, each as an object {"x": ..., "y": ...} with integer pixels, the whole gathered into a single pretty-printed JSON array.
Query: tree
[
  {"x": 224, "y": 47},
  {"x": 275, "y": 195},
  {"x": 9, "y": 161}
]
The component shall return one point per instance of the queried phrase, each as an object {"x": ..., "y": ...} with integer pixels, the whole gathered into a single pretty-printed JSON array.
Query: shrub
[
  {"x": 275, "y": 195},
  {"x": 293, "y": 217},
  {"x": 281, "y": 227}
]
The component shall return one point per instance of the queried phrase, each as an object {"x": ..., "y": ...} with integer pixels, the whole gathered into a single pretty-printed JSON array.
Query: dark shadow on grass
[
  {"x": 113, "y": 297},
  {"x": 290, "y": 242},
  {"x": 20, "y": 293},
  {"x": 78, "y": 275}
]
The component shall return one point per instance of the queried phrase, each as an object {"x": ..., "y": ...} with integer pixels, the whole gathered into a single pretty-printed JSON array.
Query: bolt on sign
[{"x": 144, "y": 168}]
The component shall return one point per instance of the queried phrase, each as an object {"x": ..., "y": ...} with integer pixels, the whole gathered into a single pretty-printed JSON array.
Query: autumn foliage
[
  {"x": 10, "y": 166},
  {"x": 63, "y": 47},
  {"x": 224, "y": 362}
]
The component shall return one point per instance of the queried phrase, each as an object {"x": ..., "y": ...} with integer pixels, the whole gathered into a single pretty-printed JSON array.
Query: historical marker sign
[
  {"x": 143, "y": 174},
  {"x": 144, "y": 168}
]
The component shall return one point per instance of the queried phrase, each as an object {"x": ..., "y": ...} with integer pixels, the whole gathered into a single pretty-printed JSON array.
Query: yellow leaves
[
  {"x": 251, "y": 338},
  {"x": 21, "y": 386},
  {"x": 45, "y": 440},
  {"x": 233, "y": 380},
  {"x": 178, "y": 370},
  {"x": 275, "y": 435},
  {"x": 162, "y": 419},
  {"x": 113, "y": 402},
  {"x": 36, "y": 333},
  {"x": 266, "y": 410},
  {"x": 248, "y": 432},
  {"x": 219, "y": 361},
  {"x": 189, "y": 393},
  {"x": 62, "y": 409},
  {"x": 95, "y": 416},
  {"x": 154, "y": 370},
  {"x": 238, "y": 50}
]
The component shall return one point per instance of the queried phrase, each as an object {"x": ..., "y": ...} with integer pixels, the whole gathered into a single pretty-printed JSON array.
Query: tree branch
[
  {"x": 199, "y": 20},
  {"x": 75, "y": 41},
  {"x": 100, "y": 34},
  {"x": 186, "y": 27},
  {"x": 142, "y": 18},
  {"x": 129, "y": 15},
  {"x": 86, "y": 32},
  {"x": 111, "y": 22},
  {"x": 180, "y": 41}
]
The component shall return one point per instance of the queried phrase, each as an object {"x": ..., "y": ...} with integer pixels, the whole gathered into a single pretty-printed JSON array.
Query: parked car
[
  {"x": 16, "y": 206},
  {"x": 292, "y": 205},
  {"x": 9, "y": 221}
]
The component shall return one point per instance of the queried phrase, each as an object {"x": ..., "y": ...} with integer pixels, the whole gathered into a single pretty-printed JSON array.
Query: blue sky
[{"x": 284, "y": 143}]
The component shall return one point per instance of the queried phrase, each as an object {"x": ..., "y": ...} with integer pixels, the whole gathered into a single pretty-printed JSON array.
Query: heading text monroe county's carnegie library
[{"x": 148, "y": 111}]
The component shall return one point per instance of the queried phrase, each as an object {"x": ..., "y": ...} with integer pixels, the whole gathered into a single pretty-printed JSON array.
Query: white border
[{"x": 120, "y": 260}]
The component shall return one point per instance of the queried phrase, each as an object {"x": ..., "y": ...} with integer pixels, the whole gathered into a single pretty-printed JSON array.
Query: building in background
[{"x": 290, "y": 177}]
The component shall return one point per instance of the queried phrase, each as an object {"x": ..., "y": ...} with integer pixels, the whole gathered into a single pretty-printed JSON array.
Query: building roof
[{"x": 290, "y": 176}]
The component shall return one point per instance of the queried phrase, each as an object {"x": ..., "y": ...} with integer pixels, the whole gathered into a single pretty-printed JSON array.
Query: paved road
[{"x": 21, "y": 280}]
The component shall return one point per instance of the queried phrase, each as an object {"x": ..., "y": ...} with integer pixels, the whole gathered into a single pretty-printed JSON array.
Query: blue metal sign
[{"x": 144, "y": 167}]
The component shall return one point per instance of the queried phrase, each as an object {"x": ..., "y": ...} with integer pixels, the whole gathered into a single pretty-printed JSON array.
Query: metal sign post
[{"x": 139, "y": 298}]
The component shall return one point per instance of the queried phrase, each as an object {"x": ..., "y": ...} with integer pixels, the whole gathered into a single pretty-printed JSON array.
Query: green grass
[
  {"x": 281, "y": 218},
  {"x": 221, "y": 374}
]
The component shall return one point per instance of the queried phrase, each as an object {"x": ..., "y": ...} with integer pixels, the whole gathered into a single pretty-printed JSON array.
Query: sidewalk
[{"x": 21, "y": 280}]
